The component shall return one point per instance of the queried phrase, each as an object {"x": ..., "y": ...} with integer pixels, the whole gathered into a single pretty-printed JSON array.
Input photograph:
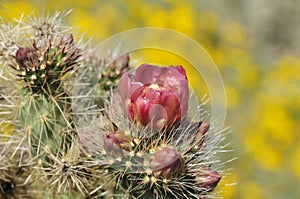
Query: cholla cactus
[
  {"x": 104, "y": 73},
  {"x": 37, "y": 60},
  {"x": 172, "y": 161},
  {"x": 141, "y": 142}
]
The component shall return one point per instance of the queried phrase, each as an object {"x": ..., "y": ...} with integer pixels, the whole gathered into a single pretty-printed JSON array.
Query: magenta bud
[
  {"x": 166, "y": 163},
  {"x": 204, "y": 127},
  {"x": 154, "y": 95},
  {"x": 208, "y": 178}
]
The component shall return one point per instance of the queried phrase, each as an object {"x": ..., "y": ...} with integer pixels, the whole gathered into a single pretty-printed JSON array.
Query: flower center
[{"x": 154, "y": 86}]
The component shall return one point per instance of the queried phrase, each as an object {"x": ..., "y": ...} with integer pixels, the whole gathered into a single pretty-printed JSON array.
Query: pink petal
[
  {"x": 141, "y": 111},
  {"x": 147, "y": 74},
  {"x": 127, "y": 88},
  {"x": 158, "y": 116}
]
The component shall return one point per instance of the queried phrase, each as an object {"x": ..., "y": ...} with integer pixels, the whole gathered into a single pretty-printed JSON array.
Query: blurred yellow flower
[
  {"x": 267, "y": 156},
  {"x": 17, "y": 8},
  {"x": 6, "y": 129},
  {"x": 234, "y": 34},
  {"x": 252, "y": 190}
]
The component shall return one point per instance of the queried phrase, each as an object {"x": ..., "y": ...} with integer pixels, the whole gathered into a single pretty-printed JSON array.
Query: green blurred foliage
[{"x": 263, "y": 98}]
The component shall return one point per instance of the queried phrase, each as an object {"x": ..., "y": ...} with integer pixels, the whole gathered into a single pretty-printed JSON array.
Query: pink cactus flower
[{"x": 154, "y": 95}]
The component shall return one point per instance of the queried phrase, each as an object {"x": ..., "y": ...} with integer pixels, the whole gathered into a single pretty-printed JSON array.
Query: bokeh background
[{"x": 256, "y": 47}]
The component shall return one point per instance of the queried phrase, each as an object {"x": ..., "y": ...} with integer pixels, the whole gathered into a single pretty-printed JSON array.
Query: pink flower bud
[
  {"x": 154, "y": 95},
  {"x": 204, "y": 127},
  {"x": 166, "y": 162},
  {"x": 208, "y": 178}
]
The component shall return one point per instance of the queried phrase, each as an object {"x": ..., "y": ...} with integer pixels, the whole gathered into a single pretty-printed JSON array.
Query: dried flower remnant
[{"x": 116, "y": 143}]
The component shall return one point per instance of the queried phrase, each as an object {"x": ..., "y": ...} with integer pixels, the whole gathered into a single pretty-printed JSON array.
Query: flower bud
[
  {"x": 208, "y": 178},
  {"x": 166, "y": 162},
  {"x": 204, "y": 127}
]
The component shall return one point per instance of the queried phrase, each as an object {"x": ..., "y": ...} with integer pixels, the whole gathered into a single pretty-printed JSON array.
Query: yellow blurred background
[{"x": 255, "y": 46}]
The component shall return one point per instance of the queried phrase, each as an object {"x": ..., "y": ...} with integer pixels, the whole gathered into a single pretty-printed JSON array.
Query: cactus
[
  {"x": 169, "y": 160},
  {"x": 41, "y": 64},
  {"x": 140, "y": 143},
  {"x": 174, "y": 163},
  {"x": 105, "y": 73}
]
